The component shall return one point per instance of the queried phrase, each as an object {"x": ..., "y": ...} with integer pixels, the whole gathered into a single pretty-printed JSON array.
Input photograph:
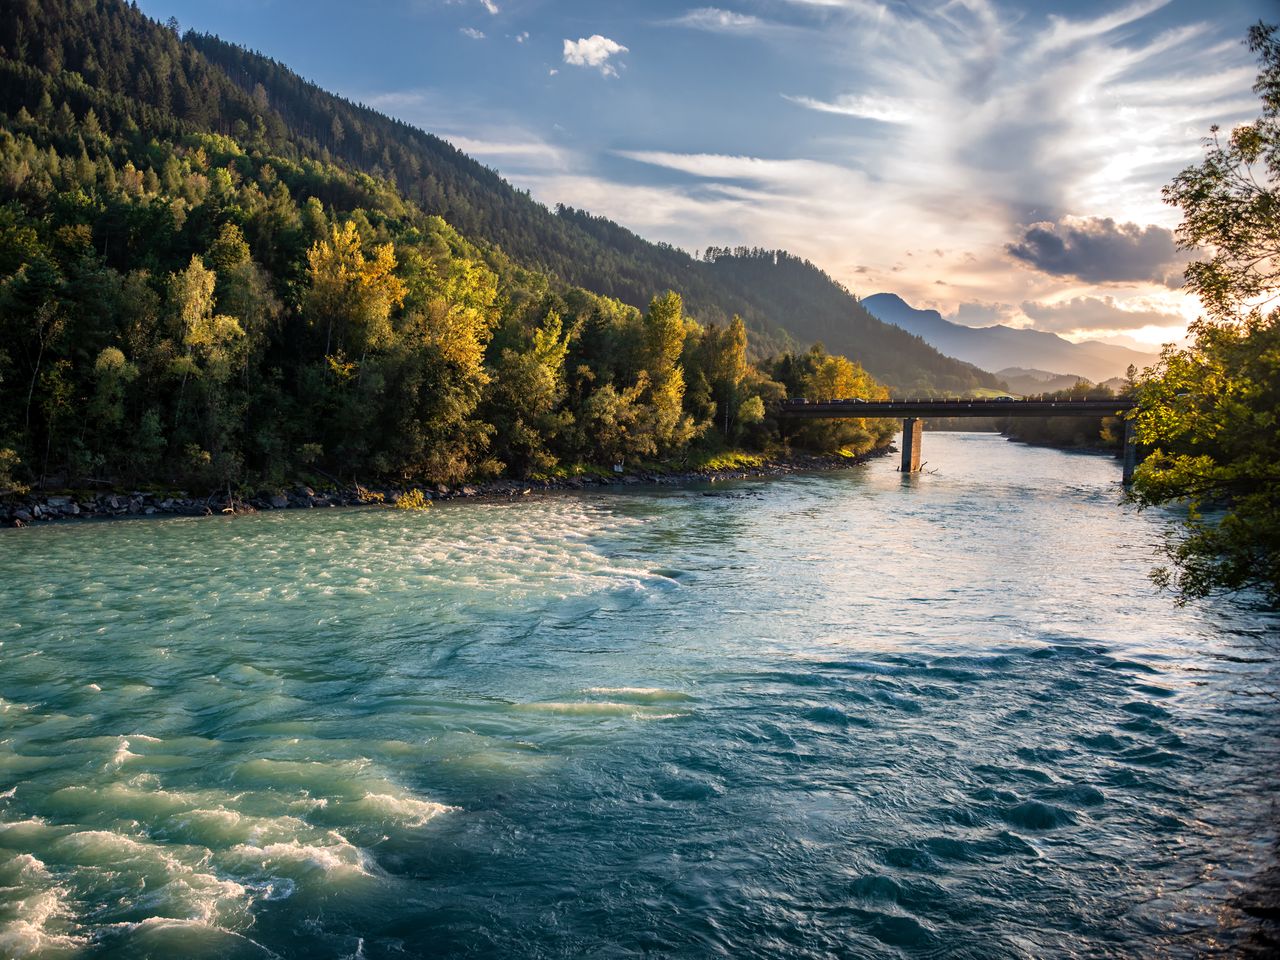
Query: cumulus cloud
[
  {"x": 490, "y": 6},
  {"x": 1096, "y": 313},
  {"x": 472, "y": 32},
  {"x": 1099, "y": 250},
  {"x": 593, "y": 51}
]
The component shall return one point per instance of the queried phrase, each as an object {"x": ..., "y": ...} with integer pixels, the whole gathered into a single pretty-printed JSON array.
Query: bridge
[{"x": 911, "y": 412}]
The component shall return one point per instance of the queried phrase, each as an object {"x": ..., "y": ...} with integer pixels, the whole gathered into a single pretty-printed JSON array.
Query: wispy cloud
[
  {"x": 1065, "y": 32},
  {"x": 471, "y": 32},
  {"x": 884, "y": 109},
  {"x": 521, "y": 152},
  {"x": 718, "y": 21},
  {"x": 594, "y": 51}
]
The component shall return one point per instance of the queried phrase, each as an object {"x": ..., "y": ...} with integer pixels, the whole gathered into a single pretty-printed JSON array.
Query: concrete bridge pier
[
  {"x": 912, "y": 434},
  {"x": 1129, "y": 453}
]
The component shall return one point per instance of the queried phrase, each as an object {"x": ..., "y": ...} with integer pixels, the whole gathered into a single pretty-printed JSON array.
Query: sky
[{"x": 1000, "y": 162}]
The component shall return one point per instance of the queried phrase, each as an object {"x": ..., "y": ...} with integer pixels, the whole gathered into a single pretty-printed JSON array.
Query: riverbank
[{"x": 92, "y": 505}]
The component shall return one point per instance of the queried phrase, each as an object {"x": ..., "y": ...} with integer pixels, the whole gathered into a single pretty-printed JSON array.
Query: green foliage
[
  {"x": 208, "y": 281},
  {"x": 1210, "y": 413},
  {"x": 817, "y": 375},
  {"x": 1087, "y": 433},
  {"x": 9, "y": 463}
]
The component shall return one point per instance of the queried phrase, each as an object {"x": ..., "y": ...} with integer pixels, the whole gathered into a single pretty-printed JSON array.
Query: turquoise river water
[{"x": 846, "y": 715}]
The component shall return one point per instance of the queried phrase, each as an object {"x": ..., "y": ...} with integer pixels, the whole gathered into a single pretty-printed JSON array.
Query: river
[{"x": 850, "y": 714}]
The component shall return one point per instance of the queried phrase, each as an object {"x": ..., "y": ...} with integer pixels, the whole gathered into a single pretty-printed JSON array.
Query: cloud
[
  {"x": 884, "y": 109},
  {"x": 514, "y": 152},
  {"x": 522, "y": 37},
  {"x": 1065, "y": 32},
  {"x": 593, "y": 51},
  {"x": 717, "y": 20},
  {"x": 725, "y": 167},
  {"x": 471, "y": 32},
  {"x": 1098, "y": 250},
  {"x": 492, "y": 7},
  {"x": 982, "y": 314},
  {"x": 1096, "y": 313}
]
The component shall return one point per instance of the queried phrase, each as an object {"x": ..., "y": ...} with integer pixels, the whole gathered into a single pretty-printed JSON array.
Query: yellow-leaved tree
[{"x": 352, "y": 295}]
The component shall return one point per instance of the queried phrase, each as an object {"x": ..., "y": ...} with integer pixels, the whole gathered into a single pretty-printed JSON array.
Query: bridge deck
[{"x": 966, "y": 407}]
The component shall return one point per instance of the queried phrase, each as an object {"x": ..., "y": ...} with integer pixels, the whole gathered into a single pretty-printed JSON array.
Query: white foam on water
[
  {"x": 182, "y": 937},
  {"x": 659, "y": 694},
  {"x": 169, "y": 881},
  {"x": 602, "y": 708},
  {"x": 409, "y": 811},
  {"x": 28, "y": 935},
  {"x": 25, "y": 832},
  {"x": 122, "y": 753},
  {"x": 221, "y": 826},
  {"x": 24, "y": 867},
  {"x": 92, "y": 846},
  {"x": 334, "y": 860}
]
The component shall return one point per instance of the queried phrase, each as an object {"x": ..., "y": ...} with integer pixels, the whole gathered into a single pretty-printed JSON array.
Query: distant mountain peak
[{"x": 1001, "y": 347}]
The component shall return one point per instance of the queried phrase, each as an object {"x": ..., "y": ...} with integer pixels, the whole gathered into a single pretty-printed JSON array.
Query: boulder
[{"x": 279, "y": 502}]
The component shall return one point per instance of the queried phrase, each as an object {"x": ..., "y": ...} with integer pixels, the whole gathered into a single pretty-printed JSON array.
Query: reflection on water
[{"x": 833, "y": 715}]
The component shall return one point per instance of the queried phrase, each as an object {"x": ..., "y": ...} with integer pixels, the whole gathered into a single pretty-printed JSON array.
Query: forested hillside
[{"x": 214, "y": 272}]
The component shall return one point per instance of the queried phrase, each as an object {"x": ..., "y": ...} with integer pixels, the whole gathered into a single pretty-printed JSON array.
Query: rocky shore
[{"x": 38, "y": 507}]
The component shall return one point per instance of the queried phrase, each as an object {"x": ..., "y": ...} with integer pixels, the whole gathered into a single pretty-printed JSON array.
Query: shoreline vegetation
[
  {"x": 44, "y": 507},
  {"x": 214, "y": 282}
]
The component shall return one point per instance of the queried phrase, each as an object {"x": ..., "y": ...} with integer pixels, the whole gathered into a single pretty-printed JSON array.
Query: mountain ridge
[
  {"x": 589, "y": 250},
  {"x": 998, "y": 347}
]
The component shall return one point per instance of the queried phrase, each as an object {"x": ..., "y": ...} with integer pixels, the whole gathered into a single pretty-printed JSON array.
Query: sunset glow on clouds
[{"x": 1000, "y": 162}]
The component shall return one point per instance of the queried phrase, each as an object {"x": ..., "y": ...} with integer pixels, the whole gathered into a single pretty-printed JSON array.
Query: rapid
[{"x": 854, "y": 714}]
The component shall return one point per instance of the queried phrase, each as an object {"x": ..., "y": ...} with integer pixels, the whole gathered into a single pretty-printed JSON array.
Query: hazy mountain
[
  {"x": 1000, "y": 347},
  {"x": 1023, "y": 381}
]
